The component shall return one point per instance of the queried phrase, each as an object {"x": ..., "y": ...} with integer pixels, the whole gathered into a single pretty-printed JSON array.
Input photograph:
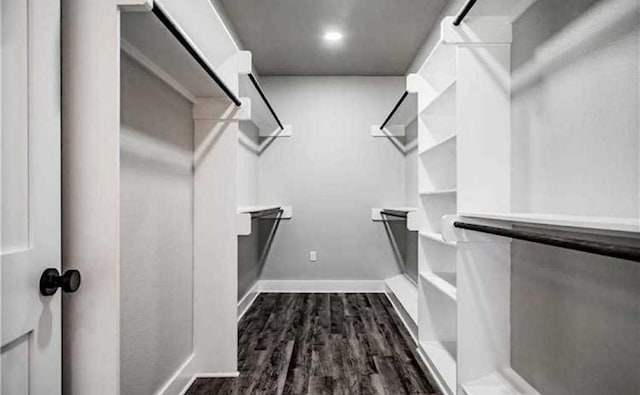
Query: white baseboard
[
  {"x": 217, "y": 375},
  {"x": 207, "y": 376},
  {"x": 443, "y": 388},
  {"x": 180, "y": 380},
  {"x": 321, "y": 286},
  {"x": 248, "y": 299},
  {"x": 410, "y": 326}
]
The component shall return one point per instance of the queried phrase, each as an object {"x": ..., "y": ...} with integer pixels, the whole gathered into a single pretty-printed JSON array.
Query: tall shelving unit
[
  {"x": 511, "y": 173},
  {"x": 438, "y": 197},
  {"x": 459, "y": 97}
]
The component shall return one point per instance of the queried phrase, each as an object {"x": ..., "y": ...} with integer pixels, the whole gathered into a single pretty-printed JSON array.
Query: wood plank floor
[{"x": 323, "y": 344}]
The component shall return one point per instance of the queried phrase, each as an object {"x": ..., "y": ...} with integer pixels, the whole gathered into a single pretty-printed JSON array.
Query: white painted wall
[
  {"x": 156, "y": 237},
  {"x": 332, "y": 172},
  {"x": 575, "y": 316}
]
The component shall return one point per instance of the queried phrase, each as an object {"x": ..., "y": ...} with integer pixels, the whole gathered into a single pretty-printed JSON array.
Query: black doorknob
[{"x": 51, "y": 280}]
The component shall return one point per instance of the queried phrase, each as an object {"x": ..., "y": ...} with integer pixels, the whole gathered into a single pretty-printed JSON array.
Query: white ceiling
[{"x": 381, "y": 37}]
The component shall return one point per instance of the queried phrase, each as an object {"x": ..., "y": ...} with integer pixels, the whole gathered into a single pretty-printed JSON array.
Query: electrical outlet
[{"x": 313, "y": 256}]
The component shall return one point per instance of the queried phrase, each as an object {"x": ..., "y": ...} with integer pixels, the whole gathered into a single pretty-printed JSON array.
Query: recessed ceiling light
[{"x": 333, "y": 36}]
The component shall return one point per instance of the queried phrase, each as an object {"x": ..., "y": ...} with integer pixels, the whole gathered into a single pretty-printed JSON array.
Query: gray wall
[
  {"x": 332, "y": 172},
  {"x": 575, "y": 317},
  {"x": 156, "y": 230}
]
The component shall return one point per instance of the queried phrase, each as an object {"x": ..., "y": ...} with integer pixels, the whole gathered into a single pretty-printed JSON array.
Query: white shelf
[
  {"x": 255, "y": 209},
  {"x": 440, "y": 359},
  {"x": 412, "y": 218},
  {"x": 439, "y": 192},
  {"x": 440, "y": 143},
  {"x": 449, "y": 89},
  {"x": 506, "y": 382},
  {"x": 599, "y": 223},
  {"x": 149, "y": 42},
  {"x": 244, "y": 217},
  {"x": 437, "y": 282},
  {"x": 441, "y": 61},
  {"x": 260, "y": 115},
  {"x": 437, "y": 237},
  {"x": 406, "y": 292}
]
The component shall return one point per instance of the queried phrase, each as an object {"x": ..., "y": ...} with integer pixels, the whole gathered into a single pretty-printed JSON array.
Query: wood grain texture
[{"x": 323, "y": 344}]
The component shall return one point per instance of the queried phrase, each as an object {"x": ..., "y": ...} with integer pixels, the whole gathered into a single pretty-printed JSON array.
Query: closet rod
[
  {"x": 395, "y": 108},
  {"x": 463, "y": 12},
  {"x": 393, "y": 213},
  {"x": 261, "y": 92},
  {"x": 185, "y": 43},
  {"x": 593, "y": 247},
  {"x": 264, "y": 213}
]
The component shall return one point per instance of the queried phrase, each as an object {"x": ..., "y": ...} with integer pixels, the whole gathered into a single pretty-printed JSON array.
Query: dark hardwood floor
[{"x": 323, "y": 344}]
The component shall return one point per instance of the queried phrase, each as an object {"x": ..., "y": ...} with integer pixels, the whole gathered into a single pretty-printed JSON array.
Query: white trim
[
  {"x": 441, "y": 386},
  {"x": 184, "y": 390},
  {"x": 247, "y": 300},
  {"x": 321, "y": 286},
  {"x": 404, "y": 316},
  {"x": 217, "y": 375},
  {"x": 169, "y": 386},
  {"x": 207, "y": 376}
]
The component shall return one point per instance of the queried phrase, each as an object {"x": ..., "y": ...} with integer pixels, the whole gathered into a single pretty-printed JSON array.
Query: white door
[{"x": 30, "y": 195}]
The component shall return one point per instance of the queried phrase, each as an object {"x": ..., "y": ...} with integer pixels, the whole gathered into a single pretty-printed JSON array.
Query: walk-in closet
[{"x": 320, "y": 197}]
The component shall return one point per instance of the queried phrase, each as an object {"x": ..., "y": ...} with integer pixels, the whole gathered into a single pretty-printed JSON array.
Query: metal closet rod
[
  {"x": 395, "y": 108},
  {"x": 162, "y": 17},
  {"x": 593, "y": 247},
  {"x": 264, "y": 97},
  {"x": 393, "y": 213},
  {"x": 463, "y": 12}
]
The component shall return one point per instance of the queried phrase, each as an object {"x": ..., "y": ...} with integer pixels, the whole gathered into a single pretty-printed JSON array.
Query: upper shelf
[
  {"x": 263, "y": 115},
  {"x": 155, "y": 41},
  {"x": 248, "y": 213},
  {"x": 409, "y": 214}
]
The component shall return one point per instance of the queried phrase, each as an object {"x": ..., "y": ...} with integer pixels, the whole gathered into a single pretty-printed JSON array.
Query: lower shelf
[
  {"x": 440, "y": 357},
  {"x": 442, "y": 285},
  {"x": 406, "y": 293},
  {"x": 505, "y": 382}
]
